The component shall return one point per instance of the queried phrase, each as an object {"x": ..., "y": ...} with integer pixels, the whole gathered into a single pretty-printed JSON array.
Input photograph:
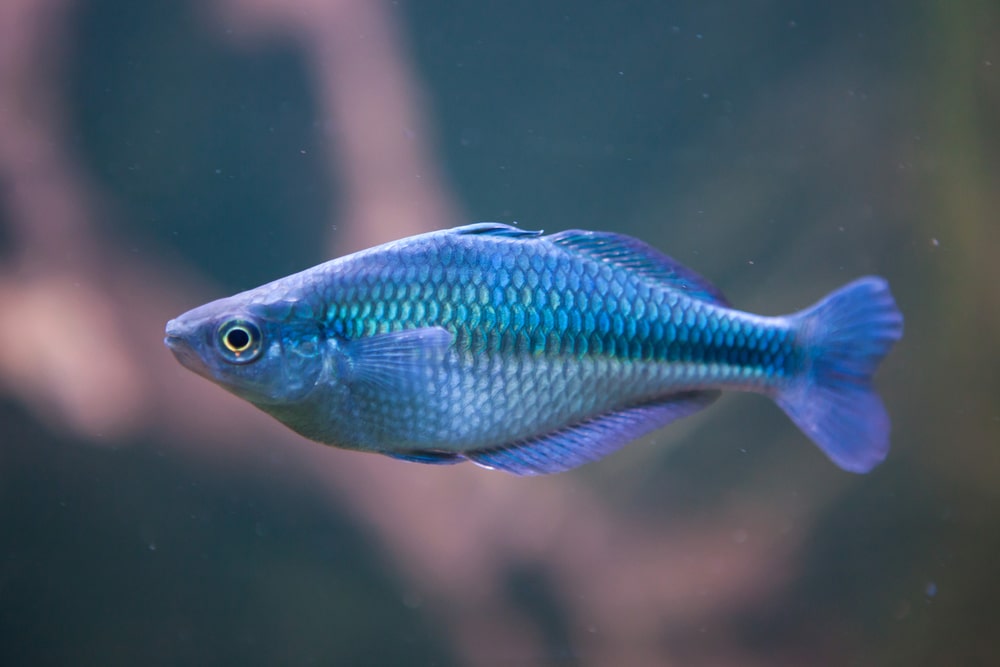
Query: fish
[{"x": 533, "y": 353}]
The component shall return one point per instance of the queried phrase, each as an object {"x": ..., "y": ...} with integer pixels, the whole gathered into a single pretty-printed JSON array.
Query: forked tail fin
[{"x": 845, "y": 336}]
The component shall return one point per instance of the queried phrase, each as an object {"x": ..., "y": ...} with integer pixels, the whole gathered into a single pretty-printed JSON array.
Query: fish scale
[
  {"x": 511, "y": 323},
  {"x": 532, "y": 353}
]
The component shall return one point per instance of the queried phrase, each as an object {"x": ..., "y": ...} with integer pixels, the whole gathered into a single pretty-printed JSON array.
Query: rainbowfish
[{"x": 533, "y": 354}]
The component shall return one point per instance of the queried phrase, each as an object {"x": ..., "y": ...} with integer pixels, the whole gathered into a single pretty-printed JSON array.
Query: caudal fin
[{"x": 845, "y": 336}]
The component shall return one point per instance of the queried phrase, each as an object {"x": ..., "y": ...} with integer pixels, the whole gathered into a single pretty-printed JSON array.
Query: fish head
[{"x": 270, "y": 353}]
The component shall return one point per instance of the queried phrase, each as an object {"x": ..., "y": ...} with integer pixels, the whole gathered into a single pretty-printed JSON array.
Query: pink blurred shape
[{"x": 80, "y": 344}]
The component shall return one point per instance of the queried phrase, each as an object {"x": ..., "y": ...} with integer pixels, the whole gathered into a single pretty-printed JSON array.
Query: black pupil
[{"x": 238, "y": 339}]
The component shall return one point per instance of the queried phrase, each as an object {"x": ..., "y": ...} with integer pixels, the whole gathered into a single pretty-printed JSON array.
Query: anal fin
[{"x": 591, "y": 439}]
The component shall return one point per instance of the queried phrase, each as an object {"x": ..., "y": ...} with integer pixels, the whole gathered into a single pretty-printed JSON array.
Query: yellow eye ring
[
  {"x": 237, "y": 339},
  {"x": 240, "y": 341}
]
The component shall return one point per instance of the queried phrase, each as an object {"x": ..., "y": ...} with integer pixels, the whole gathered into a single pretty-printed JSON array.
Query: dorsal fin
[
  {"x": 495, "y": 229},
  {"x": 644, "y": 259}
]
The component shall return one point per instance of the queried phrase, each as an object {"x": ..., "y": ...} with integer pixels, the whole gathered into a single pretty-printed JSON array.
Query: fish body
[{"x": 531, "y": 353}]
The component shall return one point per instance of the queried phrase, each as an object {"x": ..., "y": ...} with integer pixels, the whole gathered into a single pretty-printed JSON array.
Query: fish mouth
[{"x": 177, "y": 341}]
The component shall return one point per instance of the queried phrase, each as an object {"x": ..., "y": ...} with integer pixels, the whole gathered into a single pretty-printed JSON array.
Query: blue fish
[{"x": 533, "y": 354}]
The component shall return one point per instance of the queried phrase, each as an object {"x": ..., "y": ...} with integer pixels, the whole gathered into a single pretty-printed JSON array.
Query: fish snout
[
  {"x": 177, "y": 338},
  {"x": 173, "y": 331}
]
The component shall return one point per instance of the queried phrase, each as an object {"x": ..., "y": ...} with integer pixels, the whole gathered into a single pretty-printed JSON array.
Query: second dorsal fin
[{"x": 633, "y": 254}]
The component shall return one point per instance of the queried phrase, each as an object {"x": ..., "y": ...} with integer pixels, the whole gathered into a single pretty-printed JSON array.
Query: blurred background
[{"x": 156, "y": 155}]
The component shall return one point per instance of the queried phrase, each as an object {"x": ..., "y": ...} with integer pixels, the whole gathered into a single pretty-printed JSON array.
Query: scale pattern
[
  {"x": 543, "y": 336},
  {"x": 534, "y": 353}
]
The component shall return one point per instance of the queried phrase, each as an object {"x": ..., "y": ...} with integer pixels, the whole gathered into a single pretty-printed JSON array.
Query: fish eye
[{"x": 240, "y": 341}]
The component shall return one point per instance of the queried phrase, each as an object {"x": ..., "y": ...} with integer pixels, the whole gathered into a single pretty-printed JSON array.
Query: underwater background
[{"x": 156, "y": 155}]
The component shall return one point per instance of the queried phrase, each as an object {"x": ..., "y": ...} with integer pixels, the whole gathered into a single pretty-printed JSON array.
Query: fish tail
[{"x": 844, "y": 337}]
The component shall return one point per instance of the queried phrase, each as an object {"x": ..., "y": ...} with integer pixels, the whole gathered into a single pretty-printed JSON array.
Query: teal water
[{"x": 157, "y": 155}]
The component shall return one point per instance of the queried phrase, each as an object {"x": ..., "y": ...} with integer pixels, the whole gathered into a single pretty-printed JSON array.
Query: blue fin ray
[
  {"x": 592, "y": 439},
  {"x": 845, "y": 336},
  {"x": 427, "y": 456},
  {"x": 495, "y": 229},
  {"x": 640, "y": 257}
]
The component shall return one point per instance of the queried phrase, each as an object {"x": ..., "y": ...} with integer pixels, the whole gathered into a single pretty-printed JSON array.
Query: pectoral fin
[{"x": 393, "y": 360}]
